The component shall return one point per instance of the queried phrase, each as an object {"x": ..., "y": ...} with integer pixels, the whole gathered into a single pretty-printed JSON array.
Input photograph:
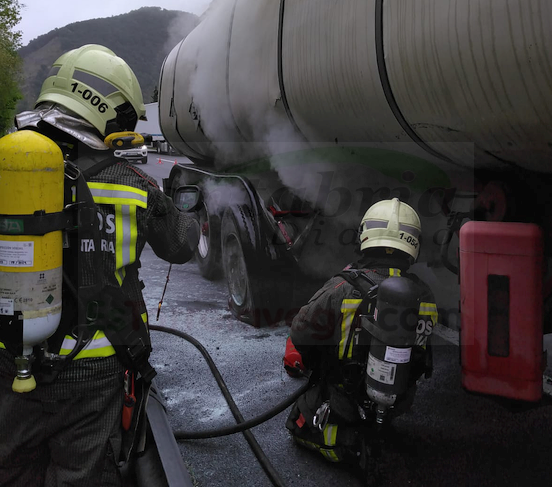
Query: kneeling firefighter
[
  {"x": 74, "y": 220},
  {"x": 365, "y": 335}
]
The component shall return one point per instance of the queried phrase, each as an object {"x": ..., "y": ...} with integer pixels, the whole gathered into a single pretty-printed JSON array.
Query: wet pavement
[{"x": 450, "y": 438}]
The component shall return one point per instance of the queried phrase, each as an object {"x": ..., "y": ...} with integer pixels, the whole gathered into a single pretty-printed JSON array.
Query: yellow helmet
[
  {"x": 392, "y": 224},
  {"x": 96, "y": 84}
]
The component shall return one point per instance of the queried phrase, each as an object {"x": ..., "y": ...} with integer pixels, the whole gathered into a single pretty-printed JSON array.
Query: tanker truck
[{"x": 297, "y": 115}]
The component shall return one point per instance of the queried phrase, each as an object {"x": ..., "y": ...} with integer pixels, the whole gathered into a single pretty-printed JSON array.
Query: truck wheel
[
  {"x": 236, "y": 273},
  {"x": 208, "y": 248},
  {"x": 249, "y": 299}
]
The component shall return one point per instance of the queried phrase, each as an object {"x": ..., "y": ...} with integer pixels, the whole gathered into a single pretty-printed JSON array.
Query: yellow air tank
[{"x": 31, "y": 180}]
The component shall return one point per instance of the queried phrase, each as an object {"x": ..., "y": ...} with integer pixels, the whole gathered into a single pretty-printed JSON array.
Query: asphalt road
[{"x": 450, "y": 438}]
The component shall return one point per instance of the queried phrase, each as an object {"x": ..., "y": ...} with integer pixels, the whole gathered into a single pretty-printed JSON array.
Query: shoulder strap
[
  {"x": 366, "y": 289},
  {"x": 363, "y": 284},
  {"x": 98, "y": 167},
  {"x": 79, "y": 269}
]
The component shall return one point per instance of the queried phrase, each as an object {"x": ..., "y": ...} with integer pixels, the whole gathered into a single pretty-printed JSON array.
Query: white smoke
[
  {"x": 338, "y": 182},
  {"x": 179, "y": 29}
]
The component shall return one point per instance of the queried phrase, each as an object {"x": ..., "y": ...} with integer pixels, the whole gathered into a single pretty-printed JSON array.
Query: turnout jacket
[
  {"x": 327, "y": 418},
  {"x": 321, "y": 329},
  {"x": 131, "y": 211}
]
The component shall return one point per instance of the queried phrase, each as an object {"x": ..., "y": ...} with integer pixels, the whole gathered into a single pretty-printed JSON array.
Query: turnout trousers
[{"x": 67, "y": 433}]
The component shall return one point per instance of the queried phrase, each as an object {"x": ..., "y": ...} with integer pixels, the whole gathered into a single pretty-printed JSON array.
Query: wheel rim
[
  {"x": 203, "y": 244},
  {"x": 236, "y": 272}
]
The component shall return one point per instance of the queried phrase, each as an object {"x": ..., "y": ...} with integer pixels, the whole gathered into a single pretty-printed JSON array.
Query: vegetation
[
  {"x": 10, "y": 62},
  {"x": 143, "y": 38}
]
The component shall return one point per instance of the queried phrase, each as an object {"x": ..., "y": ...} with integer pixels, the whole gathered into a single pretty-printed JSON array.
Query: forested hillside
[{"x": 142, "y": 37}]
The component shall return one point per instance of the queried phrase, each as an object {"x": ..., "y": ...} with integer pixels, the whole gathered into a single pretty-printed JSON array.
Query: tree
[{"x": 10, "y": 62}]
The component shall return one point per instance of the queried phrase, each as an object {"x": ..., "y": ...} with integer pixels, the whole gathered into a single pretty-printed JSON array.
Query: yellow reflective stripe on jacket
[
  {"x": 99, "y": 346},
  {"x": 329, "y": 453},
  {"x": 126, "y": 231},
  {"x": 330, "y": 434},
  {"x": 394, "y": 272},
  {"x": 2, "y": 346},
  {"x": 429, "y": 309},
  {"x": 118, "y": 194},
  {"x": 348, "y": 309},
  {"x": 330, "y": 438},
  {"x": 125, "y": 199}
]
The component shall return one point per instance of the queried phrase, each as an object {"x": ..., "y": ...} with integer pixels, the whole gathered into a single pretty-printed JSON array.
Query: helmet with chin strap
[{"x": 96, "y": 84}]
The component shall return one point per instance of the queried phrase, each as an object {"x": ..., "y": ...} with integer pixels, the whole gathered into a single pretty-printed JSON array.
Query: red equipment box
[{"x": 501, "y": 337}]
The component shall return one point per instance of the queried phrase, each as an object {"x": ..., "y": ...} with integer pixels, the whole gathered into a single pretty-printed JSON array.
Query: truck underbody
[{"x": 323, "y": 109}]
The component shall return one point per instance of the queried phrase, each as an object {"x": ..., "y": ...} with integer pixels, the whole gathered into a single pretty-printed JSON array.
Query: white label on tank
[
  {"x": 32, "y": 291},
  {"x": 397, "y": 355},
  {"x": 16, "y": 254},
  {"x": 381, "y": 371},
  {"x": 6, "y": 306}
]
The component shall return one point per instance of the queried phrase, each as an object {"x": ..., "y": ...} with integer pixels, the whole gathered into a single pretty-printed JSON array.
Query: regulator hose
[{"x": 242, "y": 426}]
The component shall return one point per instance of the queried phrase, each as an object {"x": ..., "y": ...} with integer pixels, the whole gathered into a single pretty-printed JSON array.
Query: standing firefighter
[
  {"x": 365, "y": 337},
  {"x": 70, "y": 415}
]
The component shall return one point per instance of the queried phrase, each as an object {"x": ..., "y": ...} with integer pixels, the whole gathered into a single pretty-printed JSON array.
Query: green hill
[{"x": 143, "y": 38}]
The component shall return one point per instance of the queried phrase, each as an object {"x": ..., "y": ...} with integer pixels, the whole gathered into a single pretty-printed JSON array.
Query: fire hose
[{"x": 242, "y": 426}]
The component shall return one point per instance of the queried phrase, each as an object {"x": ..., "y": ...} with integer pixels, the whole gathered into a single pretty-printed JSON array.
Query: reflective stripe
[
  {"x": 100, "y": 85},
  {"x": 330, "y": 434},
  {"x": 429, "y": 309},
  {"x": 126, "y": 235},
  {"x": 2, "y": 346},
  {"x": 99, "y": 346},
  {"x": 144, "y": 317},
  {"x": 394, "y": 272},
  {"x": 329, "y": 454},
  {"x": 125, "y": 200},
  {"x": 348, "y": 309},
  {"x": 118, "y": 194},
  {"x": 368, "y": 224},
  {"x": 330, "y": 439}
]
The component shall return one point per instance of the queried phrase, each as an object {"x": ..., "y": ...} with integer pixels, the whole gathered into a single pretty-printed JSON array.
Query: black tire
[
  {"x": 208, "y": 249},
  {"x": 249, "y": 296},
  {"x": 145, "y": 160}
]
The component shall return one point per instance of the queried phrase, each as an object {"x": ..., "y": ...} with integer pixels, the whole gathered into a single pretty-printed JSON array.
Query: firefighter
[
  {"x": 69, "y": 429},
  {"x": 336, "y": 414}
]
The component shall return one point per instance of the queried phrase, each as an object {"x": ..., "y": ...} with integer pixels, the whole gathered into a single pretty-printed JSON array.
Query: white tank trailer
[{"x": 365, "y": 99}]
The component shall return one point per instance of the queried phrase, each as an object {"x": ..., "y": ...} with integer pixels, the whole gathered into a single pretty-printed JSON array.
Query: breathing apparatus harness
[
  {"x": 102, "y": 308},
  {"x": 352, "y": 370}
]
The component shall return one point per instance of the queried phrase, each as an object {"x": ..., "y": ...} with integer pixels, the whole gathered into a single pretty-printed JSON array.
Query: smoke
[
  {"x": 179, "y": 29},
  {"x": 251, "y": 129},
  {"x": 221, "y": 194}
]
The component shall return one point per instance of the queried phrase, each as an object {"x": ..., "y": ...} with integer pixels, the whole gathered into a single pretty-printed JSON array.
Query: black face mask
[{"x": 126, "y": 119}]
